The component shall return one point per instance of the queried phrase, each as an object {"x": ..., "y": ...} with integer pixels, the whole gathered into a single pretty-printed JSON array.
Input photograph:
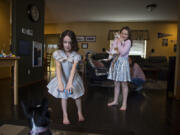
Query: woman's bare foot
[
  {"x": 81, "y": 117},
  {"x": 123, "y": 108},
  {"x": 112, "y": 103},
  {"x": 66, "y": 121}
]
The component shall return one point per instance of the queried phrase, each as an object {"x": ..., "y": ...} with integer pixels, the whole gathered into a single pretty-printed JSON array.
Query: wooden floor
[
  {"x": 11, "y": 129},
  {"x": 149, "y": 112}
]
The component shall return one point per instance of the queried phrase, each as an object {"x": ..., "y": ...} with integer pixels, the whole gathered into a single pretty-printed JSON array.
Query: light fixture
[{"x": 151, "y": 7}]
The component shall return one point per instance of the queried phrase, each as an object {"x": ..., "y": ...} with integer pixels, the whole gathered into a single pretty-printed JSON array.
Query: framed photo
[
  {"x": 80, "y": 38},
  {"x": 164, "y": 42},
  {"x": 90, "y": 38},
  {"x": 37, "y": 54},
  {"x": 84, "y": 45}
]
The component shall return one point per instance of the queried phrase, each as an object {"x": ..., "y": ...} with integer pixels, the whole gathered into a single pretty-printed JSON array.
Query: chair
[{"x": 95, "y": 71}]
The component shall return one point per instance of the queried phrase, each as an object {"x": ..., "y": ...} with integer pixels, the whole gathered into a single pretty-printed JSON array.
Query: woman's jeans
[{"x": 137, "y": 81}]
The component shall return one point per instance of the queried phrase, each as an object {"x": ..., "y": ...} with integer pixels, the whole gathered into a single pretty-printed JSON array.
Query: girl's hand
[
  {"x": 69, "y": 87},
  {"x": 121, "y": 39},
  {"x": 60, "y": 87}
]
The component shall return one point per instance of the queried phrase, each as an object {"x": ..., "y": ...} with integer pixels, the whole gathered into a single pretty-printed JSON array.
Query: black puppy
[{"x": 39, "y": 118}]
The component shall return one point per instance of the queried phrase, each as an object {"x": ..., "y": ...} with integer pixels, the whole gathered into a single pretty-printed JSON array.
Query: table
[{"x": 12, "y": 62}]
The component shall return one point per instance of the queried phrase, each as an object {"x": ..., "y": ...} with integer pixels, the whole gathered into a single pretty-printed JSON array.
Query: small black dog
[{"x": 39, "y": 118}]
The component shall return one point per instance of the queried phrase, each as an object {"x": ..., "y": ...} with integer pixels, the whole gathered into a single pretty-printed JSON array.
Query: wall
[
  {"x": 177, "y": 73},
  {"x": 20, "y": 19},
  {"x": 4, "y": 33},
  {"x": 100, "y": 30}
]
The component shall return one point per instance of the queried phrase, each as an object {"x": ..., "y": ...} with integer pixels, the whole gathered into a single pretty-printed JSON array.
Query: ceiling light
[{"x": 151, "y": 7}]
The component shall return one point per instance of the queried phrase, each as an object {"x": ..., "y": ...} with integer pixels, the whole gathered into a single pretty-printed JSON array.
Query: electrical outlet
[{"x": 29, "y": 71}]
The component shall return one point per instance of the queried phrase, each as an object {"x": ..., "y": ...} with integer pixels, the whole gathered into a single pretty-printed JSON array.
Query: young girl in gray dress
[
  {"x": 67, "y": 83},
  {"x": 119, "y": 70}
]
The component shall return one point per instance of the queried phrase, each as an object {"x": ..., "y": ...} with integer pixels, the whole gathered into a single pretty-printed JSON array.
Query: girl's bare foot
[
  {"x": 112, "y": 103},
  {"x": 81, "y": 117},
  {"x": 123, "y": 108},
  {"x": 66, "y": 121}
]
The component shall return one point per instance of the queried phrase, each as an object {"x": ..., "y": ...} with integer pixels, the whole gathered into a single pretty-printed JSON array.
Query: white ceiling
[{"x": 58, "y": 11}]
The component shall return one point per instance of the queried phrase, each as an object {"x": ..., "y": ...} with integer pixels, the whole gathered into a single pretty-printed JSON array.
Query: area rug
[{"x": 9, "y": 129}]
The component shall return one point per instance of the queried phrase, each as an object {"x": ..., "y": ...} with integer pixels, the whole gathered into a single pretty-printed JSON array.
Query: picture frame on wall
[
  {"x": 164, "y": 42},
  {"x": 37, "y": 54},
  {"x": 80, "y": 38},
  {"x": 84, "y": 45},
  {"x": 90, "y": 38}
]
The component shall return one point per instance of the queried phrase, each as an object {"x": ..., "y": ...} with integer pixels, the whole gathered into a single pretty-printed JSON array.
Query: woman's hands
[{"x": 69, "y": 87}]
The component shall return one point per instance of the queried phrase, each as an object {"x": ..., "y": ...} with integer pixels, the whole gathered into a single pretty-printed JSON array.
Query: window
[
  {"x": 138, "y": 48},
  {"x": 52, "y": 46},
  {"x": 50, "y": 49}
]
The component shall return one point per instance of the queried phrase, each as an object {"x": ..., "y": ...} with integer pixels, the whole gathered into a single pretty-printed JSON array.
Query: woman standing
[
  {"x": 67, "y": 83},
  {"x": 119, "y": 70}
]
